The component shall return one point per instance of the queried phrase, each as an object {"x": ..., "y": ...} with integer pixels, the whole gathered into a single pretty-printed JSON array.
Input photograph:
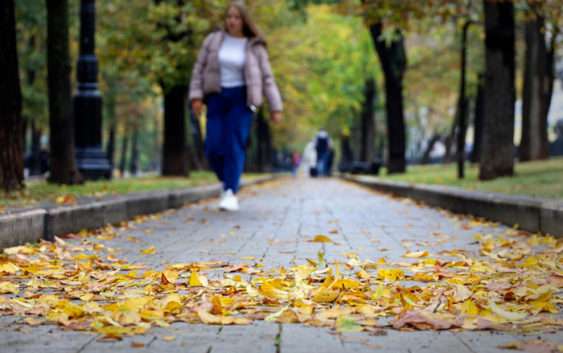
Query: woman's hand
[
  {"x": 276, "y": 117},
  {"x": 197, "y": 106}
]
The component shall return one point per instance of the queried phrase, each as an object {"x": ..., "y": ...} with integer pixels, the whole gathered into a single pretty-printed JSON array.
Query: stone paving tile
[
  {"x": 42, "y": 339},
  {"x": 259, "y": 337},
  {"x": 488, "y": 342},
  {"x": 274, "y": 225},
  {"x": 186, "y": 338},
  {"x": 407, "y": 342}
]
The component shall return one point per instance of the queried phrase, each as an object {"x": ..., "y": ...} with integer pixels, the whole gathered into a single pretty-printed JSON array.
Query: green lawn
[
  {"x": 539, "y": 179},
  {"x": 41, "y": 191}
]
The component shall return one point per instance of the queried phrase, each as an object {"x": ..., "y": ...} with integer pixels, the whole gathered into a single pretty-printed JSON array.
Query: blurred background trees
[{"x": 403, "y": 82}]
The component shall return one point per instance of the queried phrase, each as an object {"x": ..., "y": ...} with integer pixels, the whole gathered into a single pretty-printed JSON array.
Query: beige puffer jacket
[{"x": 206, "y": 75}]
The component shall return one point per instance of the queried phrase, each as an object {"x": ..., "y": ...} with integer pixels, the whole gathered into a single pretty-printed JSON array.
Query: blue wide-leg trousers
[{"x": 229, "y": 120}]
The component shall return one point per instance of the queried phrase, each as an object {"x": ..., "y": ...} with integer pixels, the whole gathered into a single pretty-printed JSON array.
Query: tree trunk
[
  {"x": 31, "y": 74},
  {"x": 534, "y": 144},
  {"x": 429, "y": 147},
  {"x": 35, "y": 160},
  {"x": 263, "y": 143},
  {"x": 25, "y": 126},
  {"x": 368, "y": 122},
  {"x": 497, "y": 154},
  {"x": 549, "y": 81},
  {"x": 11, "y": 124},
  {"x": 134, "y": 161},
  {"x": 462, "y": 105},
  {"x": 449, "y": 141},
  {"x": 110, "y": 148},
  {"x": 110, "y": 106},
  {"x": 197, "y": 143},
  {"x": 62, "y": 164},
  {"x": 346, "y": 153},
  {"x": 393, "y": 60},
  {"x": 31, "y": 146},
  {"x": 157, "y": 152},
  {"x": 478, "y": 121},
  {"x": 174, "y": 156},
  {"x": 123, "y": 159}
]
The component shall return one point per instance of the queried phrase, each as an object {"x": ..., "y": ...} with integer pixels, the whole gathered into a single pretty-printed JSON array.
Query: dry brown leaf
[
  {"x": 533, "y": 346},
  {"x": 427, "y": 320}
]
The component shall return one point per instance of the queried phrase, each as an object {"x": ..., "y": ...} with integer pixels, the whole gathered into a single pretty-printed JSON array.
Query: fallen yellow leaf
[
  {"x": 149, "y": 251},
  {"x": 325, "y": 295},
  {"x": 390, "y": 274},
  {"x": 198, "y": 280},
  {"x": 272, "y": 290},
  {"x": 416, "y": 254},
  {"x": 505, "y": 314},
  {"x": 321, "y": 239},
  {"x": 285, "y": 315},
  {"x": 210, "y": 319},
  {"x": 9, "y": 268},
  {"x": 66, "y": 200},
  {"x": 469, "y": 308},
  {"x": 169, "y": 277},
  {"x": 9, "y": 288}
]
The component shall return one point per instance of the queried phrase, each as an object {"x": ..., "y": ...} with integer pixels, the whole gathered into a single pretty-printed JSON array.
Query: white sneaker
[{"x": 229, "y": 201}]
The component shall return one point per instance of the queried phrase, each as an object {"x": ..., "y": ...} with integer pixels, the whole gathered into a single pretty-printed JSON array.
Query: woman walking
[{"x": 231, "y": 76}]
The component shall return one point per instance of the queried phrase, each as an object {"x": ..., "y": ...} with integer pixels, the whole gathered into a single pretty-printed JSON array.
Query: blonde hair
[{"x": 249, "y": 28}]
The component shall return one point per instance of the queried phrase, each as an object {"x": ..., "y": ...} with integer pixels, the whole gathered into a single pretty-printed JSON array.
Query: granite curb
[
  {"x": 32, "y": 225},
  {"x": 531, "y": 214}
]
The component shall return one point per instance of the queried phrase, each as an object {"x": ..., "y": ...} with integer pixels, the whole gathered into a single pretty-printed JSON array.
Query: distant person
[
  {"x": 323, "y": 146},
  {"x": 309, "y": 160},
  {"x": 37, "y": 164},
  {"x": 556, "y": 147},
  {"x": 295, "y": 162},
  {"x": 330, "y": 161},
  {"x": 230, "y": 76}
]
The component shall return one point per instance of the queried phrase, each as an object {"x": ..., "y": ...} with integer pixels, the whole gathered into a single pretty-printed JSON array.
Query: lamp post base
[{"x": 93, "y": 163}]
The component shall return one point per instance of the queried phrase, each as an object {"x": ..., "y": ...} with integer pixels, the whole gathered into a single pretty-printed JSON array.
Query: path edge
[
  {"x": 530, "y": 214},
  {"x": 32, "y": 225}
]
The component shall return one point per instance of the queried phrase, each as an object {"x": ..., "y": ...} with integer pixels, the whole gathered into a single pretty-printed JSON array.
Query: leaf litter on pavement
[{"x": 513, "y": 284}]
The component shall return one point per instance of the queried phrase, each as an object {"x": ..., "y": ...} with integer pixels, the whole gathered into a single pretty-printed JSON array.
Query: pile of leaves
[{"x": 513, "y": 284}]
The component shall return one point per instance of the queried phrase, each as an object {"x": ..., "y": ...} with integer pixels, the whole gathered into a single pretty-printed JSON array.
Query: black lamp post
[{"x": 91, "y": 159}]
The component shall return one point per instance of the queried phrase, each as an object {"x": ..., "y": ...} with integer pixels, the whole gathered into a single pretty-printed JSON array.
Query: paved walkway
[{"x": 273, "y": 225}]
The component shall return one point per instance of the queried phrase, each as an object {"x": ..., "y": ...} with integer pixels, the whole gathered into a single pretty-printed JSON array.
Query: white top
[{"x": 232, "y": 55}]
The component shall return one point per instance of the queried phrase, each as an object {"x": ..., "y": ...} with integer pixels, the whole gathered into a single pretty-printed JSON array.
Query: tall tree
[
  {"x": 497, "y": 153},
  {"x": 174, "y": 157},
  {"x": 63, "y": 168},
  {"x": 462, "y": 103},
  {"x": 197, "y": 143},
  {"x": 478, "y": 115},
  {"x": 30, "y": 26},
  {"x": 35, "y": 152},
  {"x": 432, "y": 141},
  {"x": 262, "y": 141},
  {"x": 123, "y": 157},
  {"x": 393, "y": 58},
  {"x": 11, "y": 124},
  {"x": 179, "y": 31},
  {"x": 29, "y": 122},
  {"x": 110, "y": 147},
  {"x": 538, "y": 84},
  {"x": 542, "y": 35},
  {"x": 134, "y": 161},
  {"x": 368, "y": 122}
]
